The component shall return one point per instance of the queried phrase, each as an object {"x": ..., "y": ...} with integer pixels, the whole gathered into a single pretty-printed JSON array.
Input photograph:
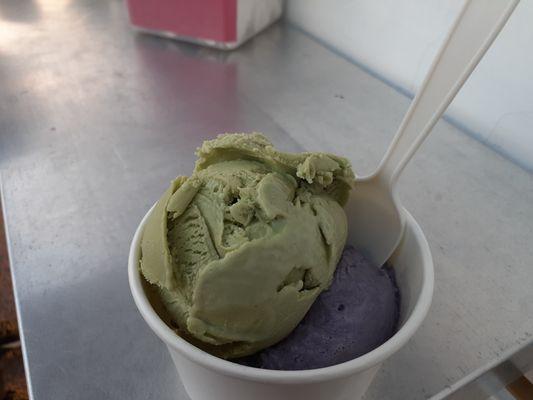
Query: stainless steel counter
[{"x": 95, "y": 120}]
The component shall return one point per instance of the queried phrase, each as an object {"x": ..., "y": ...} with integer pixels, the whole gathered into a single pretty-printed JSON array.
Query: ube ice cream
[{"x": 240, "y": 250}]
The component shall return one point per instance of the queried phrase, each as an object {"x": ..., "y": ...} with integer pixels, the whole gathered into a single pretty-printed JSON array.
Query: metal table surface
[{"x": 95, "y": 120}]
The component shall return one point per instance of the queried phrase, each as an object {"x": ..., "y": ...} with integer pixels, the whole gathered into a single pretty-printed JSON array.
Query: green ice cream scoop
[{"x": 241, "y": 249}]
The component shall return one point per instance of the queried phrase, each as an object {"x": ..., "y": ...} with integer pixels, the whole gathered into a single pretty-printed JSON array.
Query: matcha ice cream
[{"x": 240, "y": 250}]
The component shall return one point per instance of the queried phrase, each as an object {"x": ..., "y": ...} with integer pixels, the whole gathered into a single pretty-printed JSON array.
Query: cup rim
[{"x": 228, "y": 368}]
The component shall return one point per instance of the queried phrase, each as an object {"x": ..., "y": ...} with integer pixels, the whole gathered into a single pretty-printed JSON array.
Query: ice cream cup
[{"x": 206, "y": 377}]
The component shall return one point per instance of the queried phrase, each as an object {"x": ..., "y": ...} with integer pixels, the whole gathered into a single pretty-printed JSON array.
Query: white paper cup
[{"x": 206, "y": 377}]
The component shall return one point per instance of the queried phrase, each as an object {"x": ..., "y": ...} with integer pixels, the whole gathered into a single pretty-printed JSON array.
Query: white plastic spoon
[{"x": 374, "y": 205}]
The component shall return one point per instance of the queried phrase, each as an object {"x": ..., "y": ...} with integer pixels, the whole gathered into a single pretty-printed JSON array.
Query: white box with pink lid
[{"x": 224, "y": 24}]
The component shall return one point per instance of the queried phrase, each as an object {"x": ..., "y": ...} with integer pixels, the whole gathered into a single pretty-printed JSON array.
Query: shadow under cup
[{"x": 206, "y": 377}]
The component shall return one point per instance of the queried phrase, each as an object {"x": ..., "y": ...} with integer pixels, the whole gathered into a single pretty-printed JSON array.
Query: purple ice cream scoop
[{"x": 359, "y": 312}]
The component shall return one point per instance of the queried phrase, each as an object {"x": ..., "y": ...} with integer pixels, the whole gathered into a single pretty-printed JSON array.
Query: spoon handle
[{"x": 474, "y": 30}]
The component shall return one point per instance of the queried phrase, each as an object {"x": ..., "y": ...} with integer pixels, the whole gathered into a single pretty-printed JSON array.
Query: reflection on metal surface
[{"x": 191, "y": 72}]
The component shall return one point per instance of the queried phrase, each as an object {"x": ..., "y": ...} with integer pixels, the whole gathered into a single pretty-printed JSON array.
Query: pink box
[{"x": 218, "y": 23}]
